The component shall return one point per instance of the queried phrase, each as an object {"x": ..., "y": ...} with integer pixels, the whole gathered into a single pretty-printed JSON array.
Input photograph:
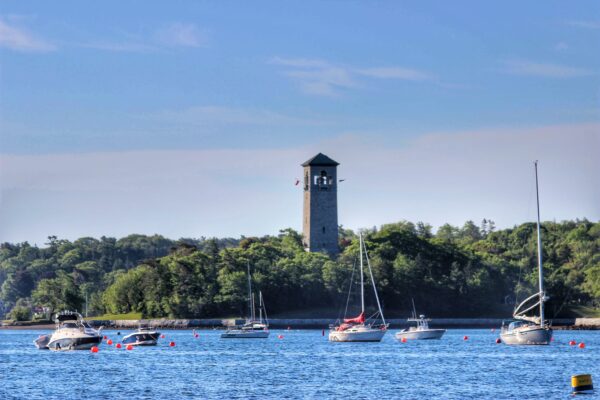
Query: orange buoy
[
  {"x": 94, "y": 349},
  {"x": 581, "y": 345},
  {"x": 498, "y": 341},
  {"x": 171, "y": 344},
  {"x": 129, "y": 347},
  {"x": 109, "y": 342},
  {"x": 118, "y": 345},
  {"x": 572, "y": 343},
  {"x": 465, "y": 337},
  {"x": 280, "y": 337},
  {"x": 403, "y": 340}
]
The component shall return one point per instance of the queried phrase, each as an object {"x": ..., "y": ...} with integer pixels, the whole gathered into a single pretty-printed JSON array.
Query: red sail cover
[{"x": 358, "y": 320}]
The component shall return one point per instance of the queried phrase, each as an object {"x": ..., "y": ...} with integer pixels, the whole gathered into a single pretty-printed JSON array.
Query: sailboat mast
[
  {"x": 373, "y": 283},
  {"x": 362, "y": 280},
  {"x": 539, "y": 249},
  {"x": 260, "y": 306},
  {"x": 250, "y": 299}
]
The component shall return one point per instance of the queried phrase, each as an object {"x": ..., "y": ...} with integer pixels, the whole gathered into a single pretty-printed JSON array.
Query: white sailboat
[
  {"x": 526, "y": 329},
  {"x": 358, "y": 329},
  {"x": 420, "y": 332},
  {"x": 253, "y": 328}
]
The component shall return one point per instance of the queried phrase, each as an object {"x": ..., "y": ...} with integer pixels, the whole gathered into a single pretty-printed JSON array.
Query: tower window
[{"x": 323, "y": 229}]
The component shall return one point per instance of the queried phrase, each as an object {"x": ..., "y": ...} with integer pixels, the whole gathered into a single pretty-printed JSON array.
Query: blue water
[{"x": 302, "y": 365}]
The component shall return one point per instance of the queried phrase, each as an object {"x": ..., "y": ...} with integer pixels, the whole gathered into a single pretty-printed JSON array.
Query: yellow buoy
[{"x": 582, "y": 383}]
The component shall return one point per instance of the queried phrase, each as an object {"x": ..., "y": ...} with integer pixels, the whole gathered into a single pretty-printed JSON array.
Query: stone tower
[{"x": 320, "y": 224}]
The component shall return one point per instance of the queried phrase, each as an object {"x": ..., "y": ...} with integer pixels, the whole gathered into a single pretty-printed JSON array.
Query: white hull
[
  {"x": 80, "y": 342},
  {"x": 362, "y": 334},
  {"x": 245, "y": 334},
  {"x": 421, "y": 334},
  {"x": 528, "y": 335}
]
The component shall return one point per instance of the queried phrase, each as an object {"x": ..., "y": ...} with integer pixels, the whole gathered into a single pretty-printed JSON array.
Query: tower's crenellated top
[{"x": 320, "y": 159}]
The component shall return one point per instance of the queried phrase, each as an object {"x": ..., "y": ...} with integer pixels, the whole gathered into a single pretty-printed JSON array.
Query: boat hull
[
  {"x": 240, "y": 334},
  {"x": 428, "y": 334},
  {"x": 74, "y": 343},
  {"x": 42, "y": 342},
  {"x": 366, "y": 335},
  {"x": 142, "y": 339},
  {"x": 530, "y": 335}
]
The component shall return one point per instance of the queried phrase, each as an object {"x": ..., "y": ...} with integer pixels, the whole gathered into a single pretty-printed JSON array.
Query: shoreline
[{"x": 309, "y": 323}]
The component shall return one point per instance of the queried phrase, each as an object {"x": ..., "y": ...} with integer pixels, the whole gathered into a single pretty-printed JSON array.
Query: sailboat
[
  {"x": 526, "y": 329},
  {"x": 422, "y": 330},
  {"x": 253, "y": 328},
  {"x": 357, "y": 329}
]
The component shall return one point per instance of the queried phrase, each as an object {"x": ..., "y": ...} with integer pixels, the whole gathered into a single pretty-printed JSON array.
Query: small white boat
[
  {"x": 42, "y": 342},
  {"x": 358, "y": 329},
  {"x": 420, "y": 332},
  {"x": 253, "y": 328},
  {"x": 73, "y": 333},
  {"x": 144, "y": 336},
  {"x": 530, "y": 330}
]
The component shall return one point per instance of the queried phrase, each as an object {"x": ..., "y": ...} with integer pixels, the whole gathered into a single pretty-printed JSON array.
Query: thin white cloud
[
  {"x": 19, "y": 39},
  {"x": 585, "y": 24},
  {"x": 320, "y": 77},
  {"x": 561, "y": 46},
  {"x": 395, "y": 73},
  {"x": 182, "y": 35},
  {"x": 543, "y": 70}
]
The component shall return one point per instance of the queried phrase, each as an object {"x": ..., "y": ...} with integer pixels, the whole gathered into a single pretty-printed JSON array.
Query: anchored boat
[
  {"x": 253, "y": 328},
  {"x": 526, "y": 329},
  {"x": 359, "y": 329},
  {"x": 144, "y": 336},
  {"x": 73, "y": 333},
  {"x": 420, "y": 332}
]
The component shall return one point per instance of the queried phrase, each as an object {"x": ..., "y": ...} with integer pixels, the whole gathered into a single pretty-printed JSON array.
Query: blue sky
[{"x": 221, "y": 102}]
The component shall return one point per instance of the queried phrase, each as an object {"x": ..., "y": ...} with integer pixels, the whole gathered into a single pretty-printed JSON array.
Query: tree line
[{"x": 469, "y": 271}]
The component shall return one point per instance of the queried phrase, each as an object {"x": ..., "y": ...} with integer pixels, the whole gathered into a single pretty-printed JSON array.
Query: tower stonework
[{"x": 320, "y": 219}]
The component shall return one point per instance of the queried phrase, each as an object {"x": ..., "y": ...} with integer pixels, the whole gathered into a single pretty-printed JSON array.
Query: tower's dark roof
[{"x": 320, "y": 159}]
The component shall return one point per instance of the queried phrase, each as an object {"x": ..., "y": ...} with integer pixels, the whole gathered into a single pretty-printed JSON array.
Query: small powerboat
[
  {"x": 42, "y": 342},
  {"x": 144, "y": 336},
  {"x": 73, "y": 333},
  {"x": 421, "y": 331}
]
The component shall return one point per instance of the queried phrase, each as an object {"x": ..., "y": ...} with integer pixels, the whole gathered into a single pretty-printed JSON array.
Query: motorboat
[
  {"x": 73, "y": 333},
  {"x": 42, "y": 342},
  {"x": 525, "y": 329},
  {"x": 144, "y": 336},
  {"x": 361, "y": 329},
  {"x": 253, "y": 328},
  {"x": 420, "y": 332}
]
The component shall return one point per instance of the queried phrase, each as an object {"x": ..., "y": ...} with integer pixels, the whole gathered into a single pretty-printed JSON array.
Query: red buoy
[
  {"x": 118, "y": 345},
  {"x": 465, "y": 337},
  {"x": 171, "y": 344},
  {"x": 572, "y": 343},
  {"x": 581, "y": 345},
  {"x": 196, "y": 335},
  {"x": 129, "y": 347},
  {"x": 94, "y": 349},
  {"x": 162, "y": 336},
  {"x": 498, "y": 341},
  {"x": 403, "y": 340},
  {"x": 280, "y": 337},
  {"x": 109, "y": 342},
  {"x": 105, "y": 337}
]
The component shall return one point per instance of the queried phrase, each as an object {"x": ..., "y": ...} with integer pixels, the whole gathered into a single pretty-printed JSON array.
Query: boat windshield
[{"x": 69, "y": 325}]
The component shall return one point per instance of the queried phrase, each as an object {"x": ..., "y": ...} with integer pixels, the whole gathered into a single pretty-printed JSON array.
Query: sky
[{"x": 191, "y": 118}]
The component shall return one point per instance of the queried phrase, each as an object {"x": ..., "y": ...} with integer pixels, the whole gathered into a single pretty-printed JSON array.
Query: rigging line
[
  {"x": 350, "y": 289},
  {"x": 373, "y": 282}
]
